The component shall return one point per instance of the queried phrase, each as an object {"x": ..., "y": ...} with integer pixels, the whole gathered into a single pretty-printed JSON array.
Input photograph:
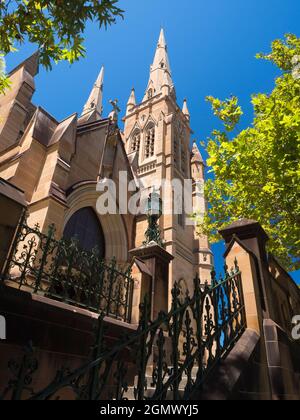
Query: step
[{"x": 150, "y": 392}]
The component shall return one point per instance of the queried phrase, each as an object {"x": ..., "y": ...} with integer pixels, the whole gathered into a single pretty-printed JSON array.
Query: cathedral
[
  {"x": 59, "y": 163},
  {"x": 145, "y": 316}
]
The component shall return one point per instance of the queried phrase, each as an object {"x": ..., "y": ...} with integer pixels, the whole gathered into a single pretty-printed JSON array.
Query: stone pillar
[
  {"x": 12, "y": 208},
  {"x": 246, "y": 241},
  {"x": 142, "y": 285},
  {"x": 284, "y": 380},
  {"x": 250, "y": 238},
  {"x": 157, "y": 261}
]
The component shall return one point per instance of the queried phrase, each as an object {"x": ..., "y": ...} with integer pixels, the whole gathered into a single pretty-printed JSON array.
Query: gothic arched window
[
  {"x": 85, "y": 226},
  {"x": 150, "y": 141},
  {"x": 136, "y": 142}
]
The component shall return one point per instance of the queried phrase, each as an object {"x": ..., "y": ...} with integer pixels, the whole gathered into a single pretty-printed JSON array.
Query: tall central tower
[{"x": 158, "y": 143}]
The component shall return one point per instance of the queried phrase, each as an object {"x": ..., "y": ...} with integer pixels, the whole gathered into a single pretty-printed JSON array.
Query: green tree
[
  {"x": 4, "y": 81},
  {"x": 55, "y": 26},
  {"x": 256, "y": 171}
]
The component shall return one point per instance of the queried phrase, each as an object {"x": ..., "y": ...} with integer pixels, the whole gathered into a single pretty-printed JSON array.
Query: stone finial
[
  {"x": 114, "y": 115},
  {"x": 244, "y": 228},
  {"x": 131, "y": 104},
  {"x": 185, "y": 110},
  {"x": 196, "y": 154}
]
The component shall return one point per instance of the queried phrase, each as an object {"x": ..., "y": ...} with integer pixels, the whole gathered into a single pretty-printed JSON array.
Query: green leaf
[
  {"x": 256, "y": 174},
  {"x": 56, "y": 27}
]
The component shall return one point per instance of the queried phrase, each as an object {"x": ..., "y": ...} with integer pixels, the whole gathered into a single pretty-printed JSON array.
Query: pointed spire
[
  {"x": 94, "y": 102},
  {"x": 185, "y": 110},
  {"x": 131, "y": 101},
  {"x": 160, "y": 71},
  {"x": 196, "y": 154},
  {"x": 162, "y": 39}
]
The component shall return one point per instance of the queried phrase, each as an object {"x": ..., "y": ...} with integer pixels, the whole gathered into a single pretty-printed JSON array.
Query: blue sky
[{"x": 212, "y": 47}]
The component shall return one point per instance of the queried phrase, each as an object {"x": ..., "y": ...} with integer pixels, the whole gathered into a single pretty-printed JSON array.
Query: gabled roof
[
  {"x": 44, "y": 126},
  {"x": 47, "y": 130},
  {"x": 62, "y": 128},
  {"x": 31, "y": 65}
]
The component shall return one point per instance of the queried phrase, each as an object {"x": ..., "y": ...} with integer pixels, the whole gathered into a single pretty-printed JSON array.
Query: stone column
[
  {"x": 246, "y": 240},
  {"x": 142, "y": 285},
  {"x": 12, "y": 208},
  {"x": 157, "y": 261}
]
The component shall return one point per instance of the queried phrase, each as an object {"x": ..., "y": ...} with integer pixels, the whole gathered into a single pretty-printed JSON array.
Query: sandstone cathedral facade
[
  {"x": 232, "y": 339},
  {"x": 58, "y": 165}
]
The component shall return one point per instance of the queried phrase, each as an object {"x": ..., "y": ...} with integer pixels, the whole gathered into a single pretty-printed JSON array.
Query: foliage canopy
[
  {"x": 55, "y": 26},
  {"x": 256, "y": 173}
]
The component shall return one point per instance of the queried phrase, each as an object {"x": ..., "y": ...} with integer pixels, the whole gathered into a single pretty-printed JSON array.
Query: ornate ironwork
[
  {"x": 173, "y": 355},
  {"x": 22, "y": 373},
  {"x": 61, "y": 270}
]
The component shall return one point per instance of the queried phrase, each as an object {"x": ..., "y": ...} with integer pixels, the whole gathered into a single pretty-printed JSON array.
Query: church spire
[
  {"x": 131, "y": 102},
  {"x": 196, "y": 156},
  {"x": 160, "y": 71},
  {"x": 94, "y": 102},
  {"x": 185, "y": 110}
]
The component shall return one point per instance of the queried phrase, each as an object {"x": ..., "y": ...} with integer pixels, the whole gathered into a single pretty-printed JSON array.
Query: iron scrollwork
[
  {"x": 61, "y": 270},
  {"x": 172, "y": 356}
]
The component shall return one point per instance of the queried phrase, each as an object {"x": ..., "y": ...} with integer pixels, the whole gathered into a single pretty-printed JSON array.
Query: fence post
[
  {"x": 246, "y": 241},
  {"x": 156, "y": 260},
  {"x": 12, "y": 209}
]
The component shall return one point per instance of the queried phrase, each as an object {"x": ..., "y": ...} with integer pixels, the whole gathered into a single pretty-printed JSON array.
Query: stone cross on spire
[
  {"x": 160, "y": 71},
  {"x": 94, "y": 103}
]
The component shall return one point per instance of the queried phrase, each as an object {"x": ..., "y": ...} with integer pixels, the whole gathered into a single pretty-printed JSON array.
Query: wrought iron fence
[
  {"x": 173, "y": 355},
  {"x": 61, "y": 270}
]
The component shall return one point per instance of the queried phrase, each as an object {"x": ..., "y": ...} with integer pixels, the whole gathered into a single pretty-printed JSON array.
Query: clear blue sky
[{"x": 212, "y": 47}]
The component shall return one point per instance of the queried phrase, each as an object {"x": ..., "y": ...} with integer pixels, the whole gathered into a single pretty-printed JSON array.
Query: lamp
[{"x": 154, "y": 212}]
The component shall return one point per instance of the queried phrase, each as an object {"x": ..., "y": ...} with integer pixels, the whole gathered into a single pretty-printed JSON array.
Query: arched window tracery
[
  {"x": 136, "y": 142},
  {"x": 150, "y": 141}
]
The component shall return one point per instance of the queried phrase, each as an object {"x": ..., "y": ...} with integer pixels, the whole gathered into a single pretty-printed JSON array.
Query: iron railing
[
  {"x": 173, "y": 355},
  {"x": 61, "y": 270}
]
